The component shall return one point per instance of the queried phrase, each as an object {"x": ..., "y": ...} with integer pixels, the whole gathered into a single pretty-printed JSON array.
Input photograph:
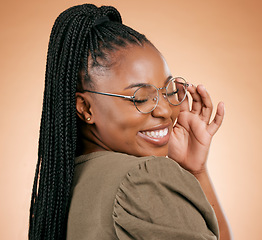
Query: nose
[{"x": 163, "y": 108}]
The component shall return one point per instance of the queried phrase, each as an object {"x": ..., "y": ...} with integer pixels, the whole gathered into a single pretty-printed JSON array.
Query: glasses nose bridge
[
  {"x": 161, "y": 93},
  {"x": 158, "y": 89}
]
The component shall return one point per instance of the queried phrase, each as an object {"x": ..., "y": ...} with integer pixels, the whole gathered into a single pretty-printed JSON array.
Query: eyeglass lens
[{"x": 146, "y": 97}]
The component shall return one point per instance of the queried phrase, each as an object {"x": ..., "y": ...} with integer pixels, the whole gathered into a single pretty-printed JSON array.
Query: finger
[
  {"x": 184, "y": 106},
  {"x": 196, "y": 99},
  {"x": 218, "y": 119},
  {"x": 207, "y": 106}
]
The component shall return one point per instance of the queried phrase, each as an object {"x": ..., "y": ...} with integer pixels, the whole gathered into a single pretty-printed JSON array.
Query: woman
[{"x": 111, "y": 113}]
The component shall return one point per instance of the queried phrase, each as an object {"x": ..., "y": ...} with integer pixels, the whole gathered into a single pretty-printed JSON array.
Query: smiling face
[{"x": 116, "y": 124}]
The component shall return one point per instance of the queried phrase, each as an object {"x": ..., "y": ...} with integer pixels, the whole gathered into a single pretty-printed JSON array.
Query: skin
[{"x": 114, "y": 124}]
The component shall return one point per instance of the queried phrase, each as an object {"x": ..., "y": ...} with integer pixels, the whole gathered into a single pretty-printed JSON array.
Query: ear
[{"x": 83, "y": 108}]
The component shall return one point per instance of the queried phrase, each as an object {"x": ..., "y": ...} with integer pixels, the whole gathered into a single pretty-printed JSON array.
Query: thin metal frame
[{"x": 132, "y": 98}]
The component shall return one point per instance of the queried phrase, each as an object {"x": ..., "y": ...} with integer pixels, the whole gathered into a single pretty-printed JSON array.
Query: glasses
[{"x": 146, "y": 97}]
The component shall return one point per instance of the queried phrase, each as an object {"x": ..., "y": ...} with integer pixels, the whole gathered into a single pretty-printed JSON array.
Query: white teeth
[{"x": 156, "y": 134}]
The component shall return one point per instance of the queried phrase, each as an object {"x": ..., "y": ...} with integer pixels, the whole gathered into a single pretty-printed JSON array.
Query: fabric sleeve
[{"x": 159, "y": 200}]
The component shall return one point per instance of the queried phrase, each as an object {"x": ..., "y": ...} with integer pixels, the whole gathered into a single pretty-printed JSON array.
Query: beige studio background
[{"x": 217, "y": 43}]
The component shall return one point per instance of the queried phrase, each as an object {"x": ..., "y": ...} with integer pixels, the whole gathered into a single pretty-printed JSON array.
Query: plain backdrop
[{"x": 216, "y": 43}]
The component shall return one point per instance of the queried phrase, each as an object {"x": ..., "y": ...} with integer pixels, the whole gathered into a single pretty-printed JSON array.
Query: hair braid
[{"x": 74, "y": 36}]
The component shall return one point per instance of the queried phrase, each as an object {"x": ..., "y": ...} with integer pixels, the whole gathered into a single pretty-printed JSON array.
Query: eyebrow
[{"x": 144, "y": 84}]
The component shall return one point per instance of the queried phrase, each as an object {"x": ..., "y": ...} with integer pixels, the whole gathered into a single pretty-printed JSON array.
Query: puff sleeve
[{"x": 160, "y": 200}]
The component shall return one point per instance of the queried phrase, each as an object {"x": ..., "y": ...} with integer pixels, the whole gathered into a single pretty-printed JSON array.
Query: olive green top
[{"x": 118, "y": 196}]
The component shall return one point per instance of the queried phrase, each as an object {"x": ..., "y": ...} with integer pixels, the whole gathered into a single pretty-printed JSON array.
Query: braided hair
[{"x": 79, "y": 34}]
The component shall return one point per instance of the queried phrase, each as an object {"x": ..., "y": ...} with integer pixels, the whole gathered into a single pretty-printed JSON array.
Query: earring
[{"x": 88, "y": 119}]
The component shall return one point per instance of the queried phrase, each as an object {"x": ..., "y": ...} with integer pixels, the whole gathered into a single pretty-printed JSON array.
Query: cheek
[
  {"x": 119, "y": 133},
  {"x": 175, "y": 112},
  {"x": 118, "y": 119}
]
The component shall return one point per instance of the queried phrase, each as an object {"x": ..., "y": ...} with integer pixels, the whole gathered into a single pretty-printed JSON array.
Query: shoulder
[
  {"x": 138, "y": 196},
  {"x": 159, "y": 175},
  {"x": 116, "y": 165},
  {"x": 158, "y": 195},
  {"x": 164, "y": 172}
]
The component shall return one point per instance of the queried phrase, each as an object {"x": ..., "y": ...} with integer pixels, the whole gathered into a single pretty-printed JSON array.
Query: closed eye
[
  {"x": 172, "y": 93},
  {"x": 140, "y": 100}
]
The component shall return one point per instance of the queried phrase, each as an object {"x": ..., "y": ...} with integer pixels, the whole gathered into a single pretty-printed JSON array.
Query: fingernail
[
  {"x": 201, "y": 85},
  {"x": 223, "y": 105}
]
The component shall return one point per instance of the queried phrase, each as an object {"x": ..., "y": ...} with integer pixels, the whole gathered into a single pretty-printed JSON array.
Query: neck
[{"x": 89, "y": 146}]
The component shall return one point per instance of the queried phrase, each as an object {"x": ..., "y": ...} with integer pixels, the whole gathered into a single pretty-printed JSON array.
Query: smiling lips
[
  {"x": 156, "y": 134},
  {"x": 158, "y": 137}
]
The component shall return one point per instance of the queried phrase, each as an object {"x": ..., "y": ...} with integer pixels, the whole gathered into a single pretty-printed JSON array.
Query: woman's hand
[
  {"x": 192, "y": 134},
  {"x": 190, "y": 141}
]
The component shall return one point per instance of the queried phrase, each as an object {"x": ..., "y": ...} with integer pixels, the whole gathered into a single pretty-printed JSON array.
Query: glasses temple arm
[{"x": 110, "y": 94}]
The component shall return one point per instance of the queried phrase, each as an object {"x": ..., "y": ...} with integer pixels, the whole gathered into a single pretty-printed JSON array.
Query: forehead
[{"x": 131, "y": 65}]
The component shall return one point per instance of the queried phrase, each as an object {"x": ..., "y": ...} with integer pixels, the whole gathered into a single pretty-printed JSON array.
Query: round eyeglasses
[{"x": 146, "y": 96}]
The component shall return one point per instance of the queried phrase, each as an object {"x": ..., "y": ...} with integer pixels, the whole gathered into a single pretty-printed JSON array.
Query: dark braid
[{"x": 75, "y": 36}]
